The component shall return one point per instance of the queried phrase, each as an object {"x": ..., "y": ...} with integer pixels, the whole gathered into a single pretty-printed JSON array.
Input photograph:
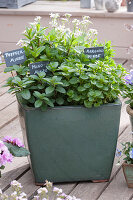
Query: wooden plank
[
  {"x": 117, "y": 189},
  {"x": 4, "y": 76},
  {"x": 120, "y": 60},
  {"x": 87, "y": 191},
  {"x": 3, "y": 90},
  {"x": 6, "y": 99},
  {"x": 13, "y": 171},
  {"x": 8, "y": 114},
  {"x": 129, "y": 65},
  {"x": 12, "y": 129},
  {"x": 2, "y": 67}
]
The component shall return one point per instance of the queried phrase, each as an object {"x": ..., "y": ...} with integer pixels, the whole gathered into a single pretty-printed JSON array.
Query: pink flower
[
  {"x": 13, "y": 141},
  {"x": 7, "y": 139},
  {"x": 5, "y": 155},
  {"x": 17, "y": 142}
]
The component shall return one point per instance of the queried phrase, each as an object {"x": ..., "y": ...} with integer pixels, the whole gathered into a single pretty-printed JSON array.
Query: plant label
[
  {"x": 14, "y": 57},
  {"x": 94, "y": 52},
  {"x": 38, "y": 67}
]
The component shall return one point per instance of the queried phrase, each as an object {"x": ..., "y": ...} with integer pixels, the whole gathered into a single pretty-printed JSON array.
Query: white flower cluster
[
  {"x": 43, "y": 193},
  {"x": 61, "y": 26},
  {"x": 23, "y": 43}
]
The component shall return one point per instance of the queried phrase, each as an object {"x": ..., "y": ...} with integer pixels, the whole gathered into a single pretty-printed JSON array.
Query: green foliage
[
  {"x": 127, "y": 151},
  {"x": 17, "y": 151},
  {"x": 74, "y": 79}
]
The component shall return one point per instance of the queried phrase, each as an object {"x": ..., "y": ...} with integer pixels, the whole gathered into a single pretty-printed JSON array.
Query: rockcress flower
[
  {"x": 43, "y": 193},
  {"x": 16, "y": 184},
  {"x": 57, "y": 190}
]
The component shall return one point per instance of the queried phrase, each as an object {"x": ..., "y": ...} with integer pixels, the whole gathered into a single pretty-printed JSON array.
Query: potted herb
[
  {"x": 127, "y": 154},
  {"x": 68, "y": 101}
]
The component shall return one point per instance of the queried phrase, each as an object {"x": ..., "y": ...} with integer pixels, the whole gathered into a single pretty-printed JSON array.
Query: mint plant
[{"x": 74, "y": 79}]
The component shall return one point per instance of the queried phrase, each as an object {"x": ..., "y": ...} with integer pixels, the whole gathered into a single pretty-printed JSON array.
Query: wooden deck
[{"x": 115, "y": 189}]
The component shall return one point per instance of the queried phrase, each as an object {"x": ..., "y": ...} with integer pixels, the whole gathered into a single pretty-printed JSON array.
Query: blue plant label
[
  {"x": 14, "y": 57},
  {"x": 38, "y": 67},
  {"x": 94, "y": 52}
]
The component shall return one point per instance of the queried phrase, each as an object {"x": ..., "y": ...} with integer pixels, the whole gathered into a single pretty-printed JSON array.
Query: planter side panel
[
  {"x": 72, "y": 143},
  {"x": 128, "y": 173}
]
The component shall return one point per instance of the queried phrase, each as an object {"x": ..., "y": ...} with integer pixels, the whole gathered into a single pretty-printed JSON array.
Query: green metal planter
[{"x": 71, "y": 143}]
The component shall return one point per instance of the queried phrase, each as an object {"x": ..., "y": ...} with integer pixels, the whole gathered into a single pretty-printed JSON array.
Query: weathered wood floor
[{"x": 115, "y": 189}]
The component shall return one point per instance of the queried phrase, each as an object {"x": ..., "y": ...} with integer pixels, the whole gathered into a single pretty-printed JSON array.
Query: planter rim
[
  {"x": 27, "y": 108},
  {"x": 129, "y": 110}
]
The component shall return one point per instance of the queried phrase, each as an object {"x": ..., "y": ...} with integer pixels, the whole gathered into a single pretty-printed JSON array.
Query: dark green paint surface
[{"x": 71, "y": 143}]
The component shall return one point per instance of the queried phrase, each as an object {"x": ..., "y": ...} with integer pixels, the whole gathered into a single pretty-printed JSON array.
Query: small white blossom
[
  {"x": 24, "y": 32},
  {"x": 67, "y": 15},
  {"x": 16, "y": 183},
  {"x": 23, "y": 194},
  {"x": 20, "y": 43},
  {"x": 76, "y": 22},
  {"x": 36, "y": 197},
  {"x": 64, "y": 19},
  {"x": 14, "y": 194},
  {"x": 93, "y": 31},
  {"x": 0, "y": 191},
  {"x": 63, "y": 195},
  {"x": 85, "y": 22},
  {"x": 77, "y": 33},
  {"x": 54, "y": 15},
  {"x": 57, "y": 190},
  {"x": 23, "y": 43},
  {"x": 0, "y": 59},
  {"x": 37, "y": 19},
  {"x": 54, "y": 24},
  {"x": 74, "y": 198},
  {"x": 48, "y": 184},
  {"x": 33, "y": 23},
  {"x": 42, "y": 190},
  {"x": 86, "y": 17},
  {"x": 69, "y": 198}
]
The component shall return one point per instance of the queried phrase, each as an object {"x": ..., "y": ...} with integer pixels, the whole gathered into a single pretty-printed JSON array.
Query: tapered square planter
[
  {"x": 71, "y": 143},
  {"x": 14, "y": 3}
]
